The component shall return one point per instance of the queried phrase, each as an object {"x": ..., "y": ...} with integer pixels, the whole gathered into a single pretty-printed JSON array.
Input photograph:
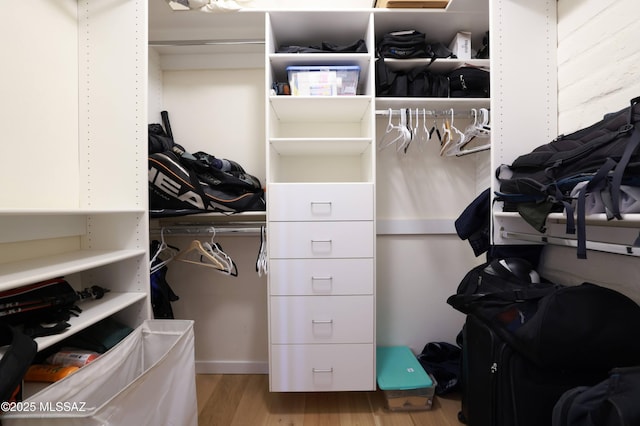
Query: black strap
[
  {"x": 618, "y": 173},
  {"x": 464, "y": 302},
  {"x": 600, "y": 181},
  {"x": 568, "y": 208},
  {"x": 597, "y": 182}
]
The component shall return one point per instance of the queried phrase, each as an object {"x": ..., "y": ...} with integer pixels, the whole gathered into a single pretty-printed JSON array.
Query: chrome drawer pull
[
  {"x": 322, "y": 321},
  {"x": 321, "y": 246},
  {"x": 322, "y": 285},
  {"x": 329, "y": 278},
  {"x": 321, "y": 207},
  {"x": 322, "y": 370}
]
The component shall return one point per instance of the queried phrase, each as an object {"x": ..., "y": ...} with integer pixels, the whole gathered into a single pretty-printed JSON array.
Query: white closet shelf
[
  {"x": 320, "y": 108},
  {"x": 631, "y": 220},
  {"x": 315, "y": 146},
  {"x": 65, "y": 211},
  {"x": 283, "y": 60},
  {"x": 439, "y": 104},
  {"x": 606, "y": 247},
  {"x": 92, "y": 312},
  {"x": 437, "y": 66},
  {"x": 16, "y": 274},
  {"x": 210, "y": 219}
]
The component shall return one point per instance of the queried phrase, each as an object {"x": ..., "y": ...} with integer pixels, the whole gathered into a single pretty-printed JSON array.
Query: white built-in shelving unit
[
  {"x": 73, "y": 110},
  {"x": 320, "y": 212}
]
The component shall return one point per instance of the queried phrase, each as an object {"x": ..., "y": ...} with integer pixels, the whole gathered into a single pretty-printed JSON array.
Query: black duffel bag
[
  {"x": 574, "y": 327},
  {"x": 416, "y": 82},
  {"x": 469, "y": 82}
]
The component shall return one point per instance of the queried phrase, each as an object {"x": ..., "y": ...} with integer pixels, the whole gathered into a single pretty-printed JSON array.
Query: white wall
[
  {"x": 424, "y": 192},
  {"x": 598, "y": 59},
  {"x": 598, "y": 70}
]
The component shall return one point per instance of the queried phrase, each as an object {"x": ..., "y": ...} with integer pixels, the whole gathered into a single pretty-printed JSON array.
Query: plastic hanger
[
  {"x": 216, "y": 250},
  {"x": 424, "y": 125},
  {"x": 261, "y": 262},
  {"x": 405, "y": 130},
  {"x": 390, "y": 128},
  {"x": 449, "y": 133},
  {"x": 412, "y": 132},
  {"x": 420, "y": 132},
  {"x": 479, "y": 128},
  {"x": 164, "y": 250},
  {"x": 404, "y": 134},
  {"x": 434, "y": 129}
]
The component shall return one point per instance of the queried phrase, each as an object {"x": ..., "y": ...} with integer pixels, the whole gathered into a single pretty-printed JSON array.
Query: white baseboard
[{"x": 232, "y": 367}]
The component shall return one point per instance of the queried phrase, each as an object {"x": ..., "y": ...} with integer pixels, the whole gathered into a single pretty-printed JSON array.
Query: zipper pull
[
  {"x": 463, "y": 83},
  {"x": 494, "y": 368}
]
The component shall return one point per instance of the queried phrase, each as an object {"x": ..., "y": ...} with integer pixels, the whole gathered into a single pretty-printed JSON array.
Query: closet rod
[
  {"x": 429, "y": 112},
  {"x": 219, "y": 42},
  {"x": 625, "y": 249},
  {"x": 244, "y": 229}
]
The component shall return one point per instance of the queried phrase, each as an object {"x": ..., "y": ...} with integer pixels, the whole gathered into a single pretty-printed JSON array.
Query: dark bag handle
[
  {"x": 166, "y": 123},
  {"x": 15, "y": 362}
]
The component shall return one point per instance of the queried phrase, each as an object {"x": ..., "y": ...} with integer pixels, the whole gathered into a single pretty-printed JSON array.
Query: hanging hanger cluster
[
  {"x": 162, "y": 254},
  {"x": 413, "y": 129},
  {"x": 209, "y": 254},
  {"x": 205, "y": 253}
]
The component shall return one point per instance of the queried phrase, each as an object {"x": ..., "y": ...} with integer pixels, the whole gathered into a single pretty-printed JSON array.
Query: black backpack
[{"x": 604, "y": 154}]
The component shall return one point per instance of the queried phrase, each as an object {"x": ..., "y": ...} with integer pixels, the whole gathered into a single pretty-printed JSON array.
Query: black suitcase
[{"x": 502, "y": 388}]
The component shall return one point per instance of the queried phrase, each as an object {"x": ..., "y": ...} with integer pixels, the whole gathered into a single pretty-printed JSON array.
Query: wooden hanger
[{"x": 203, "y": 256}]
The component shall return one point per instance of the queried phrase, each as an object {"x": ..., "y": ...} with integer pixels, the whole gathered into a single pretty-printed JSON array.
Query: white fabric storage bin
[{"x": 146, "y": 379}]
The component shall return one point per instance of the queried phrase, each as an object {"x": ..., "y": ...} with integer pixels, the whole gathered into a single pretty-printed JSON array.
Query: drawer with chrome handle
[
  {"x": 300, "y": 240},
  {"x": 320, "y": 202}
]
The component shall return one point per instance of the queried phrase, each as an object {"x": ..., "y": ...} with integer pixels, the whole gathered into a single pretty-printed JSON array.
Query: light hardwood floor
[{"x": 245, "y": 400}]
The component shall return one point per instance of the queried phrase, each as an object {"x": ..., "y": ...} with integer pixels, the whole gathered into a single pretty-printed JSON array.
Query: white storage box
[
  {"x": 323, "y": 80},
  {"x": 461, "y": 45},
  {"x": 146, "y": 379}
]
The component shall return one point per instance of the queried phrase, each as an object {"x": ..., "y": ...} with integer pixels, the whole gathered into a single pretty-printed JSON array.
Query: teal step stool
[{"x": 405, "y": 383}]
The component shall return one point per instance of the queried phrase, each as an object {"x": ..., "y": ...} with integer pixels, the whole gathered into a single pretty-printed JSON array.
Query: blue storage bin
[{"x": 405, "y": 383}]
